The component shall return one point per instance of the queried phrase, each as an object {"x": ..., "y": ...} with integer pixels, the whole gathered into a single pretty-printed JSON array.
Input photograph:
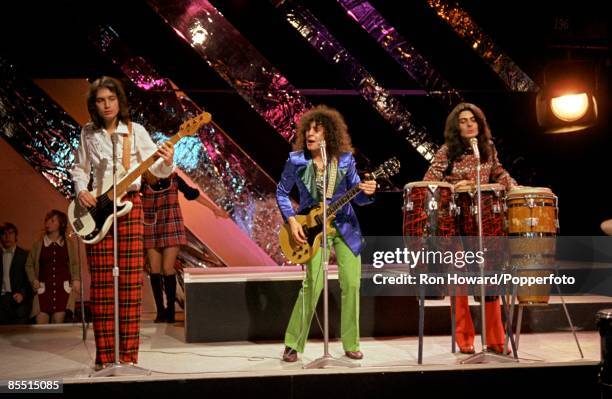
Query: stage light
[
  {"x": 571, "y": 107},
  {"x": 567, "y": 101}
]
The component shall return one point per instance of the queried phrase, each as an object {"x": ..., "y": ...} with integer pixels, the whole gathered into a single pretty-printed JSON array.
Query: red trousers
[
  {"x": 465, "y": 327},
  {"x": 131, "y": 265}
]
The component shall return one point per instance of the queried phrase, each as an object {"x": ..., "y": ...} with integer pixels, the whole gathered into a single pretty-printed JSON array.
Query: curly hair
[
  {"x": 337, "y": 139},
  {"x": 115, "y": 86},
  {"x": 452, "y": 134}
]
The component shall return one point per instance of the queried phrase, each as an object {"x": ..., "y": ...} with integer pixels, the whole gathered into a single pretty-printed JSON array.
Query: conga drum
[
  {"x": 493, "y": 210},
  {"x": 429, "y": 209},
  {"x": 533, "y": 223},
  {"x": 429, "y": 221},
  {"x": 493, "y": 197}
]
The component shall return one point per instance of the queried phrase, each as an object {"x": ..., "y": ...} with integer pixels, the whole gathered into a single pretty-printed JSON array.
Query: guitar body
[
  {"x": 92, "y": 224},
  {"x": 313, "y": 229}
]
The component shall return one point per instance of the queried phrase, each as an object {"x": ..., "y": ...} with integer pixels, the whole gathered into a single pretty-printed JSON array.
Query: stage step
[{"x": 254, "y": 303}]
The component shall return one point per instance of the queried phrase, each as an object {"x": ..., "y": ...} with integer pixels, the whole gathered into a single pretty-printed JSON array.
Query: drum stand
[
  {"x": 326, "y": 360},
  {"x": 485, "y": 356},
  {"x": 519, "y": 320}
]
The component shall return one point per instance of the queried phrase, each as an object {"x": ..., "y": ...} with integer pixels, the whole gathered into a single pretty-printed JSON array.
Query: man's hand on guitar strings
[
  {"x": 86, "y": 199},
  {"x": 296, "y": 231}
]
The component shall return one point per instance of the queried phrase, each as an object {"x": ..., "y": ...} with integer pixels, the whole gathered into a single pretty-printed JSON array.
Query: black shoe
[
  {"x": 161, "y": 317},
  {"x": 290, "y": 355},
  {"x": 355, "y": 355}
]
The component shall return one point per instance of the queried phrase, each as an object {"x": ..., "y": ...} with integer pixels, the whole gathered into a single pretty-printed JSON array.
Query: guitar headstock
[
  {"x": 387, "y": 169},
  {"x": 190, "y": 127}
]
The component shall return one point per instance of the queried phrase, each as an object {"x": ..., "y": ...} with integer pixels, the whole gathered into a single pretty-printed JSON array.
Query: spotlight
[{"x": 567, "y": 102}]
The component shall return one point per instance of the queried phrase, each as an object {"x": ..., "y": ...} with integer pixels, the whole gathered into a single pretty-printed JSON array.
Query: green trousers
[{"x": 349, "y": 275}]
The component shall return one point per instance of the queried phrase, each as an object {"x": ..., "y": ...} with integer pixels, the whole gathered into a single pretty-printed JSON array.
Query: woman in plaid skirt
[
  {"x": 164, "y": 233},
  {"x": 109, "y": 112}
]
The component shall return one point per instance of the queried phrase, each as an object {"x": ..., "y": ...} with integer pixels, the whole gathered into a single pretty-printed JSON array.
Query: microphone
[
  {"x": 474, "y": 144},
  {"x": 323, "y": 153}
]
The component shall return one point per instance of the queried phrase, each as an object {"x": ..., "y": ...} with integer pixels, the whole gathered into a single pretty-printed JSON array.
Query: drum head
[
  {"x": 428, "y": 184},
  {"x": 483, "y": 187},
  {"x": 531, "y": 192}
]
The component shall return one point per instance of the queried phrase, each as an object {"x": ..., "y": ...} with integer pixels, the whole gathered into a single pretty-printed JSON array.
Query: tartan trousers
[{"x": 130, "y": 230}]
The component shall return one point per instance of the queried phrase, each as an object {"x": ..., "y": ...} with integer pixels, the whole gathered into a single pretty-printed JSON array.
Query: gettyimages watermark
[
  {"x": 528, "y": 266},
  {"x": 411, "y": 258}
]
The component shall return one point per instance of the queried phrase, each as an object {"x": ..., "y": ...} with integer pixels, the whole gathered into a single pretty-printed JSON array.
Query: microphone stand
[
  {"x": 326, "y": 360},
  {"x": 117, "y": 368},
  {"x": 84, "y": 323},
  {"x": 485, "y": 355}
]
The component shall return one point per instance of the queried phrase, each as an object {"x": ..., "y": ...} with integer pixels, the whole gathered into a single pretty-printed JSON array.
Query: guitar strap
[
  {"x": 127, "y": 148},
  {"x": 331, "y": 181}
]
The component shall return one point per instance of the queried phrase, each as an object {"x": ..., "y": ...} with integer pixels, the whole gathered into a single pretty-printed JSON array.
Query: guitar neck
[
  {"x": 123, "y": 185},
  {"x": 388, "y": 168},
  {"x": 340, "y": 202}
]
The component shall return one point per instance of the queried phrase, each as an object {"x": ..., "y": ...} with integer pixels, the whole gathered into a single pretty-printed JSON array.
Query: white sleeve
[
  {"x": 146, "y": 147},
  {"x": 82, "y": 166}
]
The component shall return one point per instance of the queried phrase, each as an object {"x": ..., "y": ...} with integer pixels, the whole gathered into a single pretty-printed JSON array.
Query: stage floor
[{"x": 58, "y": 351}]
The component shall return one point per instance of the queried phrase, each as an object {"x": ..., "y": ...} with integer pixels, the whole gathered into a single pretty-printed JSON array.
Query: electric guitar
[
  {"x": 93, "y": 223},
  {"x": 312, "y": 223}
]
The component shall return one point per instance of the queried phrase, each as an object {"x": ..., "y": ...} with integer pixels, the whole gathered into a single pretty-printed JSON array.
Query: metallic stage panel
[
  {"x": 388, "y": 106},
  {"x": 36, "y": 127},
  {"x": 379, "y": 29},
  {"x": 465, "y": 27},
  {"x": 225, "y": 50}
]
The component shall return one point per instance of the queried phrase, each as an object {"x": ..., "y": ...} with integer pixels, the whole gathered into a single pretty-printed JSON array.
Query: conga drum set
[{"x": 529, "y": 216}]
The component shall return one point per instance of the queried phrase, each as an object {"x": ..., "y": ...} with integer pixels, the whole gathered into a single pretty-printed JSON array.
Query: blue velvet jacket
[{"x": 299, "y": 170}]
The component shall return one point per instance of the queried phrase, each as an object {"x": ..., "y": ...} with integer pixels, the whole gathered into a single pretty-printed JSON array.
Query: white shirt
[
  {"x": 7, "y": 259},
  {"x": 95, "y": 153}
]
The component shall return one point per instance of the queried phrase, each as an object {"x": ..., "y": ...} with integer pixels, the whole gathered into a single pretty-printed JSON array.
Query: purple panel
[
  {"x": 402, "y": 51},
  {"x": 389, "y": 107}
]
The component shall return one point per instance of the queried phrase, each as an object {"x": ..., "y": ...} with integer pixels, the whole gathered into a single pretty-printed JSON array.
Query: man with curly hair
[{"x": 304, "y": 169}]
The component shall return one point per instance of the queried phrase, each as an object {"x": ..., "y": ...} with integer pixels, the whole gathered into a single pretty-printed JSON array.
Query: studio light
[{"x": 567, "y": 100}]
